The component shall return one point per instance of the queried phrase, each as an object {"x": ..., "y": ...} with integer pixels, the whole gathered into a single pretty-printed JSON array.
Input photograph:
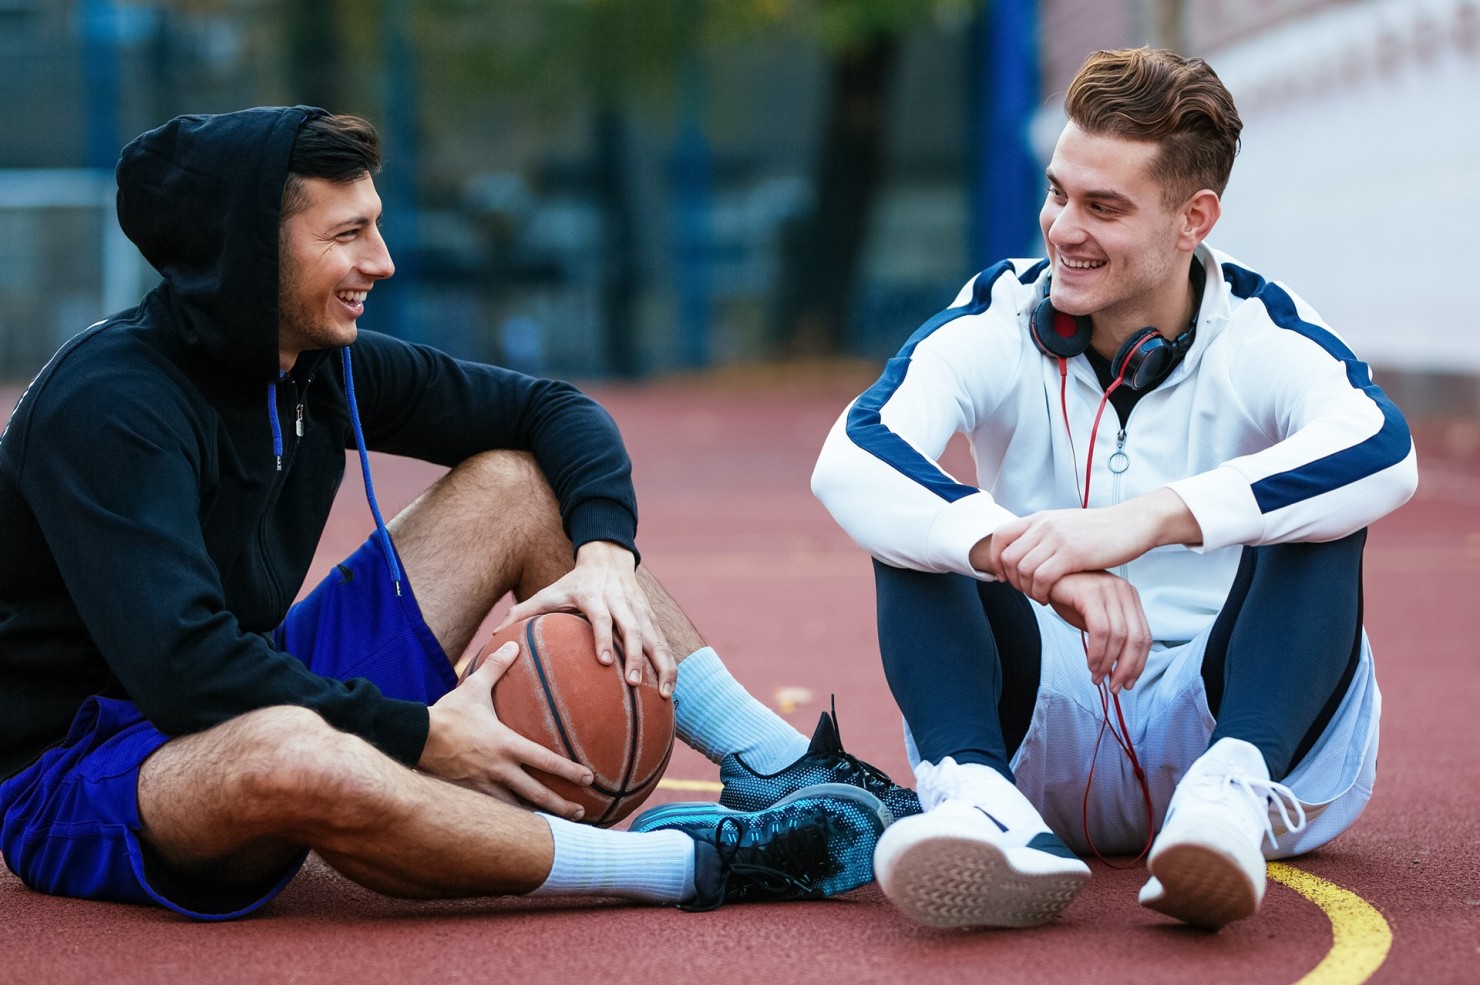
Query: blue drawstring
[
  {"x": 354, "y": 417},
  {"x": 277, "y": 429}
]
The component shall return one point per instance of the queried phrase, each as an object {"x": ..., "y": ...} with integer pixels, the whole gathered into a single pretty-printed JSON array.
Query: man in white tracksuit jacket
[{"x": 1142, "y": 615}]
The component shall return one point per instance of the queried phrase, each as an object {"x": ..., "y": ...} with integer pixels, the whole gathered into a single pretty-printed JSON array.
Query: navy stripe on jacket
[{"x": 1389, "y": 446}]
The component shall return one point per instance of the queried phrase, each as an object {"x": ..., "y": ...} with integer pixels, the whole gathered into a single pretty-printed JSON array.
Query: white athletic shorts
[{"x": 1170, "y": 725}]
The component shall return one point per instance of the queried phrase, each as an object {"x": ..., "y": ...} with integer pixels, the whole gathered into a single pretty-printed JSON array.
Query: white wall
[{"x": 1359, "y": 180}]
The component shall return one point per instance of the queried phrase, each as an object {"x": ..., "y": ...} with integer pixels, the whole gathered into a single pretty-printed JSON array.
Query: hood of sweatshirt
[{"x": 201, "y": 198}]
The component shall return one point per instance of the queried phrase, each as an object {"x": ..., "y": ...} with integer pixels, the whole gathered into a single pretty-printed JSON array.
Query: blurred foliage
[
  {"x": 554, "y": 51},
  {"x": 835, "y": 24}
]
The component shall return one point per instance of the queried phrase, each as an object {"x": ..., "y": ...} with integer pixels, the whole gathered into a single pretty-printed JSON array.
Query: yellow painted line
[
  {"x": 1360, "y": 937},
  {"x": 704, "y": 786}
]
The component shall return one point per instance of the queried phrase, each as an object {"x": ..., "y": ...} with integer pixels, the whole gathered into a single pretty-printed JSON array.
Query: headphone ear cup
[
  {"x": 1143, "y": 359},
  {"x": 1057, "y": 334}
]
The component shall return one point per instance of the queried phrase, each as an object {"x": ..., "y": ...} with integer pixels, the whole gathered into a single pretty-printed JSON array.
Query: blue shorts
[{"x": 71, "y": 819}]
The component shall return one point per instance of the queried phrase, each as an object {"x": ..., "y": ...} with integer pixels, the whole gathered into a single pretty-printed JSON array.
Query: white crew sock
[
  {"x": 651, "y": 867},
  {"x": 717, "y": 716}
]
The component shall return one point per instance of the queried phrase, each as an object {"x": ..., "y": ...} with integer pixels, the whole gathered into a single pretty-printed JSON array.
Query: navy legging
[{"x": 962, "y": 656}]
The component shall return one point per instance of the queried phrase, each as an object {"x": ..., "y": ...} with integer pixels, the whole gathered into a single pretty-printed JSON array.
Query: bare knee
[
  {"x": 488, "y": 499},
  {"x": 507, "y": 478},
  {"x": 289, "y": 766}
]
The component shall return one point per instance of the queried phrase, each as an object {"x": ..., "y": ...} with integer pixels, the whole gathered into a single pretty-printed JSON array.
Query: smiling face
[
  {"x": 330, "y": 255},
  {"x": 1119, "y": 253}
]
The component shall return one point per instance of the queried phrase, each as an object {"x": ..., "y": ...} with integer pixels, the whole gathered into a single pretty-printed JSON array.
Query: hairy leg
[
  {"x": 239, "y": 801},
  {"x": 488, "y": 527},
  {"x": 492, "y": 526}
]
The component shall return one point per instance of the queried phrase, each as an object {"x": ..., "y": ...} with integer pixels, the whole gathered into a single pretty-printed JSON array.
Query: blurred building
[{"x": 1355, "y": 167}]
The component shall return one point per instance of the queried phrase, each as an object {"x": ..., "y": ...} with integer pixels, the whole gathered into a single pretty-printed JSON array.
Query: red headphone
[{"x": 1142, "y": 361}]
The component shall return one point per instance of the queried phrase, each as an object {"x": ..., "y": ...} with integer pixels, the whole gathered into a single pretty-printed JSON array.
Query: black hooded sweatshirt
[{"x": 149, "y": 540}]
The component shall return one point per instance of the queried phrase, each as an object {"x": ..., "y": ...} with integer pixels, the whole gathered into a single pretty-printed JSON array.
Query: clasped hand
[
  {"x": 1062, "y": 558},
  {"x": 468, "y": 745}
]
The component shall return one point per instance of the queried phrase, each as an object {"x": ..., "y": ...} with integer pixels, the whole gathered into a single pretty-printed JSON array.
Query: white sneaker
[
  {"x": 1207, "y": 865},
  {"x": 959, "y": 865}
]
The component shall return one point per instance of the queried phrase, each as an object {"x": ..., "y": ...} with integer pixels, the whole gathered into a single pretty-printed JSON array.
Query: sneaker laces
[
  {"x": 1263, "y": 793},
  {"x": 875, "y": 780},
  {"x": 943, "y": 781},
  {"x": 780, "y": 860}
]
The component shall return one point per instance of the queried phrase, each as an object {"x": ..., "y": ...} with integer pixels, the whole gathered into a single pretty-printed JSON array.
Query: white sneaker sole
[
  {"x": 944, "y": 878},
  {"x": 1201, "y": 886}
]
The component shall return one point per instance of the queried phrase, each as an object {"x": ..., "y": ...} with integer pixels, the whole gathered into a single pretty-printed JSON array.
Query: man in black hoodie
[{"x": 174, "y": 730}]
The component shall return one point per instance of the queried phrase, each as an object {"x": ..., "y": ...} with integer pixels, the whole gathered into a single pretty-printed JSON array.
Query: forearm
[
  {"x": 1163, "y": 519},
  {"x": 1035, "y": 551}
]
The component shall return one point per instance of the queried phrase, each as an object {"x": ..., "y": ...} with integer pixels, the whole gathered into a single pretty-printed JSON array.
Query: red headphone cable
[{"x": 1122, "y": 736}]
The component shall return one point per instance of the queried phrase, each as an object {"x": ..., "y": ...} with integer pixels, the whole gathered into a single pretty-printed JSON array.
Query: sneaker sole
[
  {"x": 856, "y": 860},
  {"x": 665, "y": 816},
  {"x": 1201, "y": 886},
  {"x": 958, "y": 880}
]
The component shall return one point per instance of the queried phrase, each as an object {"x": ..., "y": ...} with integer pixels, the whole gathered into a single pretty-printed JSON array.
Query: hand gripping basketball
[{"x": 559, "y": 695}]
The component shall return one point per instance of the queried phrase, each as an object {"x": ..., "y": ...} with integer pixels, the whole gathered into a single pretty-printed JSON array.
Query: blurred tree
[
  {"x": 822, "y": 251},
  {"x": 609, "y": 55},
  {"x": 314, "y": 51},
  {"x": 593, "y": 57}
]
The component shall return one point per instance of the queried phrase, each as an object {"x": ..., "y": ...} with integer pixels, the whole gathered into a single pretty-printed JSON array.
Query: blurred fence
[
  {"x": 1356, "y": 183},
  {"x": 64, "y": 263}
]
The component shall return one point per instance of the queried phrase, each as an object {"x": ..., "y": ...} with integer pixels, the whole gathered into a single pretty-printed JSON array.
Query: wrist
[
  {"x": 1172, "y": 521},
  {"x": 605, "y": 552}
]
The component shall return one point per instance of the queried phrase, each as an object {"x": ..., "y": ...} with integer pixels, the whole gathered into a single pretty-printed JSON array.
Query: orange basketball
[{"x": 558, "y": 694}]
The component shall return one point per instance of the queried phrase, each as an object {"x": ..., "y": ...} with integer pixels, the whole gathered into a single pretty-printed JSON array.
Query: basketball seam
[
  {"x": 539, "y": 669},
  {"x": 615, "y": 797}
]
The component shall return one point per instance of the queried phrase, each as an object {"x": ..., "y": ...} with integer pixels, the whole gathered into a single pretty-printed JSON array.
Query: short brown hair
[
  {"x": 1156, "y": 95},
  {"x": 337, "y": 147}
]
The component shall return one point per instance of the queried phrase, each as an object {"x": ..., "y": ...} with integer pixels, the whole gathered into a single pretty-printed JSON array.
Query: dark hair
[
  {"x": 1156, "y": 95},
  {"x": 337, "y": 147}
]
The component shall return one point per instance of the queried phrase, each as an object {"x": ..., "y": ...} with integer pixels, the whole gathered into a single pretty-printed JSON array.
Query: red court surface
[{"x": 729, "y": 525}]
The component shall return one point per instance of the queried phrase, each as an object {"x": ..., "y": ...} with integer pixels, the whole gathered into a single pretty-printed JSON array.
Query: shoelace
[
  {"x": 802, "y": 850},
  {"x": 1263, "y": 792},
  {"x": 875, "y": 780},
  {"x": 942, "y": 784}
]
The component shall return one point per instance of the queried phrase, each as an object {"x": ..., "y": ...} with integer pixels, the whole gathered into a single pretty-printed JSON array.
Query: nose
[
  {"x": 377, "y": 263},
  {"x": 1063, "y": 227}
]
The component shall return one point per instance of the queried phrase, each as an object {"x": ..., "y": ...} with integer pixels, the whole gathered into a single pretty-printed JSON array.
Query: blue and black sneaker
[
  {"x": 824, "y": 762},
  {"x": 816, "y": 842}
]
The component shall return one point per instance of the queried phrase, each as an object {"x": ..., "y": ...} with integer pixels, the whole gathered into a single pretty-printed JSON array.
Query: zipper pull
[
  {"x": 298, "y": 422},
  {"x": 1119, "y": 461}
]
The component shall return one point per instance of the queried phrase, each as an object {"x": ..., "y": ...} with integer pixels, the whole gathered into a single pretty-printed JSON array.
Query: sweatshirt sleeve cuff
[
  {"x": 958, "y": 528},
  {"x": 401, "y": 729},
  {"x": 603, "y": 519},
  {"x": 1224, "y": 507}
]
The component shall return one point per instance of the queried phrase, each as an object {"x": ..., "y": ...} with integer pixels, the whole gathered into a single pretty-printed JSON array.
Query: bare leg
[
  {"x": 492, "y": 526},
  {"x": 488, "y": 527},
  {"x": 240, "y": 800}
]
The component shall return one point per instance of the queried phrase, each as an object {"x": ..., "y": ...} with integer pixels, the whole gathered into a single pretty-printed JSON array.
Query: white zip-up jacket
[{"x": 1270, "y": 430}]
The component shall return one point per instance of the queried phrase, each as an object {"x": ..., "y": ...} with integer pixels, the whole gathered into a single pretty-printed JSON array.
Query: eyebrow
[{"x": 1100, "y": 195}]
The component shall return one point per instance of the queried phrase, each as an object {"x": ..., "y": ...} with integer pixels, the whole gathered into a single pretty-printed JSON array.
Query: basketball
[{"x": 559, "y": 695}]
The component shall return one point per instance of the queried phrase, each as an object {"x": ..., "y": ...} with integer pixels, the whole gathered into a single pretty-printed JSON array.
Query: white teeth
[
  {"x": 353, "y": 297},
  {"x": 1081, "y": 264}
]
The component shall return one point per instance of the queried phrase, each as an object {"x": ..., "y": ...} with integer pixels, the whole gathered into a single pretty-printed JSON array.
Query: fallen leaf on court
[{"x": 787, "y": 698}]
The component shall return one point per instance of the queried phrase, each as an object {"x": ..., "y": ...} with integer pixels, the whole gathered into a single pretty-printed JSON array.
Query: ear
[{"x": 1198, "y": 218}]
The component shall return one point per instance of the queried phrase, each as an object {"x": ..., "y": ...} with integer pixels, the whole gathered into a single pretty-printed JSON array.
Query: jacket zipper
[
  {"x": 263, "y": 541},
  {"x": 1118, "y": 463}
]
